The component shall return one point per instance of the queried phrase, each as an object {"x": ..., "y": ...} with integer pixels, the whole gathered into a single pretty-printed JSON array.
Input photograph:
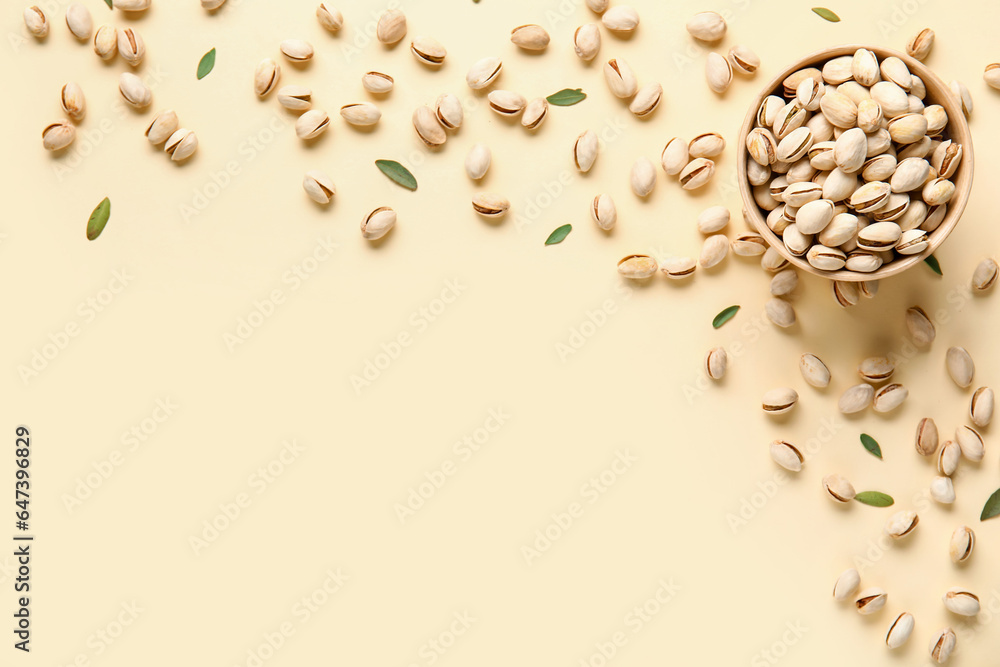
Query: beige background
[{"x": 199, "y": 249}]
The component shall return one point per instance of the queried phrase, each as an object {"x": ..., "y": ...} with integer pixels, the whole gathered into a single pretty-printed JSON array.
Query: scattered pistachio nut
[
  {"x": 266, "y": 77},
  {"x": 718, "y": 73},
  {"x": 856, "y": 398},
  {"x": 506, "y": 102},
  {"x": 377, "y": 83},
  {"x": 779, "y": 311},
  {"x": 620, "y": 78},
  {"x": 637, "y": 267},
  {"x": 779, "y": 401},
  {"x": 449, "y": 112},
  {"x": 58, "y": 136},
  {"x": 948, "y": 458},
  {"x": 943, "y": 645},
  {"x": 901, "y": 524},
  {"x": 530, "y": 37},
  {"x": 598, "y": 6},
  {"x": 707, "y": 26},
  {"x": 716, "y": 362},
  {"x": 162, "y": 127},
  {"x": 876, "y": 369},
  {"x": 713, "y": 251},
  {"x": 743, "y": 60},
  {"x": 847, "y": 584},
  {"x": 312, "y": 124},
  {"x": 971, "y": 443},
  {"x": 919, "y": 46},
  {"x": 483, "y": 73},
  {"x": 132, "y": 5},
  {"x": 604, "y": 212},
  {"x": 813, "y": 370},
  {"x": 361, "y": 114},
  {"x": 535, "y": 113},
  {"x": 942, "y": 490},
  {"x": 106, "y": 42},
  {"x": 477, "y": 161},
  {"x": 79, "y": 21},
  {"x": 981, "y": 407},
  {"x": 295, "y": 50},
  {"x": 991, "y": 75},
  {"x": 585, "y": 151},
  {"x": 889, "y": 397},
  {"x": 181, "y": 145},
  {"x": 72, "y": 101},
  {"x": 378, "y": 223},
  {"x": 962, "y": 544},
  {"x": 962, "y": 602},
  {"x": 709, "y": 144},
  {"x": 900, "y": 630},
  {"x": 697, "y": 173},
  {"x": 134, "y": 91},
  {"x": 36, "y": 21},
  {"x": 838, "y": 488},
  {"x": 329, "y": 17},
  {"x": 678, "y": 268},
  {"x": 131, "y": 46},
  {"x": 490, "y": 205},
  {"x": 962, "y": 94},
  {"x": 713, "y": 219},
  {"x": 985, "y": 275},
  {"x": 426, "y": 124},
  {"x": 642, "y": 177},
  {"x": 587, "y": 41},
  {"x": 675, "y": 156},
  {"x": 646, "y": 100},
  {"x": 621, "y": 19},
  {"x": 960, "y": 366},
  {"x": 926, "y": 440},
  {"x": 319, "y": 186},
  {"x": 295, "y": 98},
  {"x": 391, "y": 27},
  {"x": 428, "y": 51},
  {"x": 788, "y": 456},
  {"x": 921, "y": 328}
]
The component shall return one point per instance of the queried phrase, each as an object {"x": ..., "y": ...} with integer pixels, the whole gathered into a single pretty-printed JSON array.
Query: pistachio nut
[
  {"x": 809, "y": 93},
  {"x": 814, "y": 216},
  {"x": 920, "y": 326},
  {"x": 329, "y": 17},
  {"x": 295, "y": 98},
  {"x": 788, "y": 456},
  {"x": 678, "y": 268},
  {"x": 868, "y": 288},
  {"x": 36, "y": 21},
  {"x": 587, "y": 41},
  {"x": 948, "y": 458},
  {"x": 743, "y": 60},
  {"x": 426, "y": 124},
  {"x": 718, "y": 72},
  {"x": 266, "y": 77},
  {"x": 377, "y": 83},
  {"x": 946, "y": 158},
  {"x": 891, "y": 98},
  {"x": 296, "y": 50},
  {"x": 134, "y": 91},
  {"x": 826, "y": 259},
  {"x": 535, "y": 112},
  {"x": 942, "y": 490},
  {"x": 483, "y": 73},
  {"x": 889, "y": 397},
  {"x": 876, "y": 369},
  {"x": 795, "y": 241},
  {"x": 162, "y": 127},
  {"x": 428, "y": 51},
  {"x": 864, "y": 67},
  {"x": 779, "y": 401},
  {"x": 838, "y": 488},
  {"x": 713, "y": 219},
  {"x": 757, "y": 174},
  {"x": 895, "y": 70},
  {"x": 598, "y": 6},
  {"x": 378, "y": 223},
  {"x": 870, "y": 197},
  {"x": 863, "y": 261},
  {"x": 907, "y": 128},
  {"x": 901, "y": 524},
  {"x": 913, "y": 217},
  {"x": 530, "y": 37},
  {"x": 917, "y": 87},
  {"x": 985, "y": 275},
  {"x": 797, "y": 195},
  {"x": 960, "y": 366},
  {"x": 697, "y": 173},
  {"x": 132, "y": 5},
  {"x": 490, "y": 205},
  {"x": 131, "y": 46},
  {"x": 749, "y": 244},
  {"x": 675, "y": 156},
  {"x": 642, "y": 177},
  {"x": 768, "y": 110},
  {"x": 841, "y": 229},
  {"x": 762, "y": 146},
  {"x": 894, "y": 208},
  {"x": 856, "y": 398},
  {"x": 926, "y": 440},
  {"x": 912, "y": 241},
  {"x": 935, "y": 214},
  {"x": 646, "y": 100},
  {"x": 604, "y": 212},
  {"x": 991, "y": 75},
  {"x": 847, "y": 584},
  {"x": 971, "y": 443},
  {"x": 713, "y": 251},
  {"x": 106, "y": 42},
  {"x": 900, "y": 630},
  {"x": 813, "y": 370},
  {"x": 801, "y": 171},
  {"x": 707, "y": 26},
  {"x": 58, "y": 136},
  {"x": 72, "y": 101},
  {"x": 585, "y": 151},
  {"x": 478, "y": 161},
  {"x": 962, "y": 544},
  {"x": 779, "y": 311},
  {"x": 448, "y": 110},
  {"x": 869, "y": 115},
  {"x": 181, "y": 145},
  {"x": 79, "y": 21},
  {"x": 391, "y": 27},
  {"x": 850, "y": 150},
  {"x": 846, "y": 294},
  {"x": 312, "y": 124},
  {"x": 822, "y": 128},
  {"x": 621, "y": 80},
  {"x": 716, "y": 362},
  {"x": 795, "y": 145},
  {"x": 361, "y": 114},
  {"x": 772, "y": 262},
  {"x": 621, "y": 19},
  {"x": 506, "y": 102},
  {"x": 838, "y": 70},
  {"x": 637, "y": 267},
  {"x": 962, "y": 94},
  {"x": 962, "y": 602},
  {"x": 943, "y": 645},
  {"x": 910, "y": 174},
  {"x": 839, "y": 186},
  {"x": 916, "y": 104},
  {"x": 319, "y": 186},
  {"x": 839, "y": 109},
  {"x": 919, "y": 46}
]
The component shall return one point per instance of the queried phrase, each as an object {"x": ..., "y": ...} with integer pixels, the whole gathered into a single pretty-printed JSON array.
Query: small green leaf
[
  {"x": 825, "y": 13},
  {"x": 98, "y": 219},
  {"x": 110, "y": 6},
  {"x": 992, "y": 507},
  {"x": 397, "y": 173},
  {"x": 874, "y": 498},
  {"x": 206, "y": 64},
  {"x": 932, "y": 262},
  {"x": 725, "y": 316},
  {"x": 567, "y": 97},
  {"x": 558, "y": 234},
  {"x": 871, "y": 445}
]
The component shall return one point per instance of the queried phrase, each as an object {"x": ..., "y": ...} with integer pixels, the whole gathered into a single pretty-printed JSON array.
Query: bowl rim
[{"x": 962, "y": 179}]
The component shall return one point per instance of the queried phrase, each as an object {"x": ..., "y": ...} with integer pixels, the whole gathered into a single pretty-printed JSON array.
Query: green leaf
[
  {"x": 874, "y": 498},
  {"x": 110, "y": 6},
  {"x": 397, "y": 173},
  {"x": 871, "y": 445},
  {"x": 206, "y": 64},
  {"x": 558, "y": 234},
  {"x": 932, "y": 262},
  {"x": 992, "y": 507},
  {"x": 98, "y": 219},
  {"x": 567, "y": 97},
  {"x": 825, "y": 13},
  {"x": 725, "y": 316}
]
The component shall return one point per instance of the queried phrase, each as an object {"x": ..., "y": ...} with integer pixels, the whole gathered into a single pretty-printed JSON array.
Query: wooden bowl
[{"x": 957, "y": 130}]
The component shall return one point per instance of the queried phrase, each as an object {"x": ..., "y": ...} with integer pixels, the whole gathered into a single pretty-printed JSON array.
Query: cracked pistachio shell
[
  {"x": 266, "y": 77},
  {"x": 449, "y": 112},
  {"x": 779, "y": 311},
  {"x": 391, "y": 26},
  {"x": 377, "y": 83},
  {"x": 713, "y": 251},
  {"x": 604, "y": 212},
  {"x": 707, "y": 26},
  {"x": 946, "y": 158},
  {"x": 962, "y": 544},
  {"x": 642, "y": 177},
  {"x": 36, "y": 21},
  {"x": 900, "y": 630},
  {"x": 961, "y": 601},
  {"x": 637, "y": 267},
  {"x": 876, "y": 369},
  {"x": 762, "y": 146},
  {"x": 585, "y": 151},
  {"x": 716, "y": 362},
  {"x": 971, "y": 443},
  {"x": 295, "y": 98},
  {"x": 919, "y": 46},
  {"x": 779, "y": 401},
  {"x": 895, "y": 70},
  {"x": 678, "y": 268},
  {"x": 920, "y": 326},
  {"x": 926, "y": 440},
  {"x": 743, "y": 60},
  {"x": 361, "y": 114},
  {"x": 826, "y": 259},
  {"x": 709, "y": 144},
  {"x": 942, "y": 490},
  {"x": 718, "y": 72},
  {"x": 587, "y": 41},
  {"x": 428, "y": 128},
  {"x": 535, "y": 113},
  {"x": 809, "y": 94},
  {"x": 483, "y": 73},
  {"x": 838, "y": 488},
  {"x": 960, "y": 366},
  {"x": 985, "y": 275},
  {"x": 506, "y": 102},
  {"x": 530, "y": 37},
  {"x": 912, "y": 241},
  {"x": 813, "y": 370},
  {"x": 378, "y": 223},
  {"x": 58, "y": 136},
  {"x": 962, "y": 94},
  {"x": 296, "y": 50},
  {"x": 134, "y": 91},
  {"x": 675, "y": 156},
  {"x": 478, "y": 161},
  {"x": 106, "y": 42},
  {"x": 79, "y": 21},
  {"x": 428, "y": 51},
  {"x": 949, "y": 458},
  {"x": 162, "y": 127},
  {"x": 319, "y": 186},
  {"x": 943, "y": 645},
  {"x": 646, "y": 100},
  {"x": 838, "y": 70},
  {"x": 889, "y": 397},
  {"x": 697, "y": 173},
  {"x": 772, "y": 262},
  {"x": 181, "y": 145},
  {"x": 131, "y": 46},
  {"x": 621, "y": 19},
  {"x": 72, "y": 101},
  {"x": 856, "y": 398},
  {"x": 786, "y": 455},
  {"x": 312, "y": 124},
  {"x": 329, "y": 17},
  {"x": 847, "y": 585},
  {"x": 490, "y": 205},
  {"x": 901, "y": 524},
  {"x": 620, "y": 78}
]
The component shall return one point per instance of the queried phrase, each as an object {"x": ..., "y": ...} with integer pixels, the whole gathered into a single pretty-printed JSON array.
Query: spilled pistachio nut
[
  {"x": 266, "y": 77},
  {"x": 779, "y": 311},
  {"x": 718, "y": 72},
  {"x": 743, "y": 60},
  {"x": 901, "y": 524},
  {"x": 449, "y": 112},
  {"x": 876, "y": 369},
  {"x": 478, "y": 161},
  {"x": 58, "y": 136},
  {"x": 779, "y": 401},
  {"x": 535, "y": 113},
  {"x": 713, "y": 251},
  {"x": 134, "y": 91},
  {"x": 707, "y": 26},
  {"x": 900, "y": 630},
  {"x": 162, "y": 127},
  {"x": 716, "y": 362},
  {"x": 637, "y": 267},
  {"x": 991, "y": 75},
  {"x": 642, "y": 177},
  {"x": 377, "y": 83},
  {"x": 426, "y": 124},
  {"x": 587, "y": 41},
  {"x": 378, "y": 223},
  {"x": 585, "y": 151},
  {"x": 646, "y": 100},
  {"x": 697, "y": 173},
  {"x": 847, "y": 584},
  {"x": 621, "y": 19},
  {"x": 889, "y": 397},
  {"x": 106, "y": 42},
  {"x": 919, "y": 46},
  {"x": 814, "y": 371},
  {"x": 838, "y": 488},
  {"x": 604, "y": 212},
  {"x": 329, "y": 17},
  {"x": 295, "y": 98},
  {"x": 72, "y": 101},
  {"x": 132, "y": 5},
  {"x": 678, "y": 268},
  {"x": 296, "y": 50},
  {"x": 749, "y": 244},
  {"x": 428, "y": 51},
  {"x": 598, "y": 6},
  {"x": 709, "y": 144},
  {"x": 788, "y": 456},
  {"x": 131, "y": 46},
  {"x": 620, "y": 78},
  {"x": 361, "y": 114},
  {"x": 391, "y": 27},
  {"x": 962, "y": 602},
  {"x": 784, "y": 283},
  {"x": 948, "y": 458},
  {"x": 942, "y": 490},
  {"x": 971, "y": 443},
  {"x": 312, "y": 124},
  {"x": 960, "y": 366},
  {"x": 319, "y": 186},
  {"x": 920, "y": 326},
  {"x": 981, "y": 407},
  {"x": 856, "y": 398},
  {"x": 985, "y": 275},
  {"x": 530, "y": 37},
  {"x": 36, "y": 21},
  {"x": 675, "y": 156},
  {"x": 713, "y": 219},
  {"x": 926, "y": 440},
  {"x": 943, "y": 645},
  {"x": 506, "y": 102},
  {"x": 962, "y": 544},
  {"x": 79, "y": 21},
  {"x": 483, "y": 73},
  {"x": 490, "y": 205},
  {"x": 181, "y": 145}
]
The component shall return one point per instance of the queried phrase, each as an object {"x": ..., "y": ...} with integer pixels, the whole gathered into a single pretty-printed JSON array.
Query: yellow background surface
[{"x": 690, "y": 547}]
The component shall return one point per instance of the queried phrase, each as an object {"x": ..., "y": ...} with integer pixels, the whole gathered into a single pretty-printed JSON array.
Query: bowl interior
[{"x": 957, "y": 130}]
